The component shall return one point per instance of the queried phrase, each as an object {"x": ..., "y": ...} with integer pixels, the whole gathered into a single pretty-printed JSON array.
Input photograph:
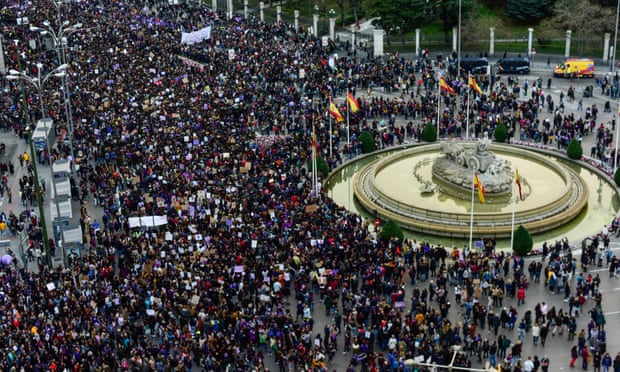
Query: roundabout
[{"x": 404, "y": 185}]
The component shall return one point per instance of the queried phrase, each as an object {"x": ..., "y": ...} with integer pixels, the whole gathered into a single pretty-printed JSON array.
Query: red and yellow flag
[
  {"x": 474, "y": 85},
  {"x": 354, "y": 106},
  {"x": 518, "y": 182},
  {"x": 443, "y": 84},
  {"x": 315, "y": 145},
  {"x": 480, "y": 187},
  {"x": 333, "y": 111}
]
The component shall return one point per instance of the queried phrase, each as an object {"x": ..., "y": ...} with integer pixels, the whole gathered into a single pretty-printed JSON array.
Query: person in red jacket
[
  {"x": 520, "y": 296},
  {"x": 585, "y": 355}
]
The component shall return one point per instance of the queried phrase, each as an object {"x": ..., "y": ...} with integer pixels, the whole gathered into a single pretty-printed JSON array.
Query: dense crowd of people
[{"x": 216, "y": 136}]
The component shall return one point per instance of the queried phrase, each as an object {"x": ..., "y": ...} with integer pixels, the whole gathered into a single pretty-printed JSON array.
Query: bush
[
  {"x": 368, "y": 143},
  {"x": 617, "y": 177},
  {"x": 500, "y": 133},
  {"x": 321, "y": 166},
  {"x": 390, "y": 230},
  {"x": 574, "y": 150},
  {"x": 523, "y": 242},
  {"x": 429, "y": 134}
]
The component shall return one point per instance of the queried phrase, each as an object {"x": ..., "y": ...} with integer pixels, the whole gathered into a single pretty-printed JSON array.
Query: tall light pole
[
  {"x": 458, "y": 53},
  {"x": 59, "y": 38},
  {"x": 38, "y": 83},
  {"x": 613, "y": 56}
]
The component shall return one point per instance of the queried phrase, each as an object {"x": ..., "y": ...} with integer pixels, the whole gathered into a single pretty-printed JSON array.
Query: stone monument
[{"x": 458, "y": 164}]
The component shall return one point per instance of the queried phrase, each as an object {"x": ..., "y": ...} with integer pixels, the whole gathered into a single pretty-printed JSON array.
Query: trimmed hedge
[
  {"x": 574, "y": 150},
  {"x": 368, "y": 143},
  {"x": 500, "y": 133},
  {"x": 523, "y": 242},
  {"x": 390, "y": 230},
  {"x": 429, "y": 134}
]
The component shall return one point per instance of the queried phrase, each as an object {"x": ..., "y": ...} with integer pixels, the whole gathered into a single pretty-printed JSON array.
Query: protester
[{"x": 215, "y": 137}]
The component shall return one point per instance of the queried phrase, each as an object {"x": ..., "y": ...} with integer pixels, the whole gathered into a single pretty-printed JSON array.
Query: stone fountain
[{"x": 458, "y": 164}]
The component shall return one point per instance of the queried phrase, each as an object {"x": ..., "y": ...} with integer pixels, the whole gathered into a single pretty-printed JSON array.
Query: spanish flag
[
  {"x": 355, "y": 107},
  {"x": 333, "y": 111},
  {"x": 443, "y": 84},
  {"x": 474, "y": 85},
  {"x": 518, "y": 182},
  {"x": 480, "y": 187},
  {"x": 315, "y": 145}
]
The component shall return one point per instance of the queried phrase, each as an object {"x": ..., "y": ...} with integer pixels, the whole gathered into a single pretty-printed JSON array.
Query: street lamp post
[
  {"x": 332, "y": 24},
  {"x": 59, "y": 39},
  {"x": 315, "y": 21},
  {"x": 458, "y": 53},
  {"x": 613, "y": 56},
  {"x": 38, "y": 83}
]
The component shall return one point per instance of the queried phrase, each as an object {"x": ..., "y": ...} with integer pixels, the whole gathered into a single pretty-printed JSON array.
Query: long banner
[
  {"x": 147, "y": 221},
  {"x": 196, "y": 36}
]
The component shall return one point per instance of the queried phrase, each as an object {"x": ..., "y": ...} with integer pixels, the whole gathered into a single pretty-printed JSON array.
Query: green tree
[
  {"x": 606, "y": 3},
  {"x": 321, "y": 166},
  {"x": 355, "y": 6},
  {"x": 429, "y": 134},
  {"x": 523, "y": 242},
  {"x": 574, "y": 150},
  {"x": 528, "y": 10},
  {"x": 500, "y": 133},
  {"x": 493, "y": 4},
  {"x": 390, "y": 230},
  {"x": 448, "y": 12},
  {"x": 478, "y": 21},
  {"x": 368, "y": 143},
  {"x": 582, "y": 17},
  {"x": 617, "y": 177},
  {"x": 398, "y": 16}
]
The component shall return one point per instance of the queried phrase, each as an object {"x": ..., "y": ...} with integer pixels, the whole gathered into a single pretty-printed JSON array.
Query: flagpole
[
  {"x": 471, "y": 218},
  {"x": 467, "y": 122},
  {"x": 330, "y": 130},
  {"x": 512, "y": 224},
  {"x": 616, "y": 135},
  {"x": 314, "y": 156},
  {"x": 438, "y": 106},
  {"x": 348, "y": 109}
]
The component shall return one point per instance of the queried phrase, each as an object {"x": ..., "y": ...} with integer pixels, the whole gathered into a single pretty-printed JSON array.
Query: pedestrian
[
  {"x": 574, "y": 354},
  {"x": 544, "y": 332},
  {"x": 493, "y": 353},
  {"x": 617, "y": 363},
  {"x": 585, "y": 358},
  {"x": 596, "y": 361},
  {"x": 544, "y": 364},
  {"x": 520, "y": 296},
  {"x": 528, "y": 365},
  {"x": 606, "y": 362},
  {"x": 535, "y": 333}
]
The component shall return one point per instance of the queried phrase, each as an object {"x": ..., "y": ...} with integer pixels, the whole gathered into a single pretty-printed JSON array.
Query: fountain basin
[{"x": 389, "y": 189}]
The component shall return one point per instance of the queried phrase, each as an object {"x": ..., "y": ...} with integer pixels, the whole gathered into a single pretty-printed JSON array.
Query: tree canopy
[
  {"x": 583, "y": 17},
  {"x": 528, "y": 10},
  {"x": 399, "y": 15}
]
